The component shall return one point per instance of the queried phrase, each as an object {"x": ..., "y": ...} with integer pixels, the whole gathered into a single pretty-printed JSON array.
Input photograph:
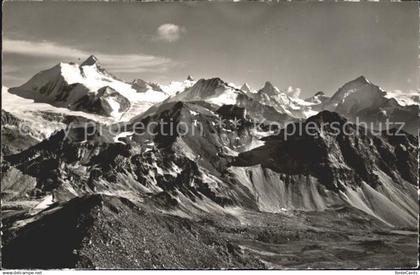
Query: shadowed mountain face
[
  {"x": 202, "y": 172},
  {"x": 361, "y": 168},
  {"x": 102, "y": 103},
  {"x": 328, "y": 148}
]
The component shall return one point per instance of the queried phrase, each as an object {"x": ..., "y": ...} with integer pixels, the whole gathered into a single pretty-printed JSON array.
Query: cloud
[
  {"x": 170, "y": 32},
  {"x": 121, "y": 63}
]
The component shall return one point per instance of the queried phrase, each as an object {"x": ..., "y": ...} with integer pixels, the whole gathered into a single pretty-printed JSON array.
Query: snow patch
[
  {"x": 122, "y": 135},
  {"x": 177, "y": 86},
  {"x": 45, "y": 203}
]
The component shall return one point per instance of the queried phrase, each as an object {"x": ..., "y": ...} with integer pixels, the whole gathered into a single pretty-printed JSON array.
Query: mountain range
[{"x": 240, "y": 194}]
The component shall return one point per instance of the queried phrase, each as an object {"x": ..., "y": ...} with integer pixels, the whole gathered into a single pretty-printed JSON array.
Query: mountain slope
[
  {"x": 239, "y": 202},
  {"x": 112, "y": 232},
  {"x": 361, "y": 100},
  {"x": 66, "y": 84},
  {"x": 214, "y": 165},
  {"x": 213, "y": 90},
  {"x": 251, "y": 194},
  {"x": 360, "y": 169},
  {"x": 145, "y": 175}
]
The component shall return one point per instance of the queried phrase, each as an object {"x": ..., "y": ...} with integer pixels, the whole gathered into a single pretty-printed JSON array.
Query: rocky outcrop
[
  {"x": 16, "y": 134},
  {"x": 106, "y": 102}
]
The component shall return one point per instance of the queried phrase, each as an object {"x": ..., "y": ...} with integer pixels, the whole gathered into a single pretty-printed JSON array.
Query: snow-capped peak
[
  {"x": 190, "y": 78},
  {"x": 359, "y": 88},
  {"x": 352, "y": 85},
  {"x": 213, "y": 90},
  {"x": 68, "y": 84}
]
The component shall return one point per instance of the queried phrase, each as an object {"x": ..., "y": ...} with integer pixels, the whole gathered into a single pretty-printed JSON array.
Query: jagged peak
[
  {"x": 352, "y": 86},
  {"x": 190, "y": 78},
  {"x": 269, "y": 89},
  {"x": 91, "y": 60},
  {"x": 245, "y": 87},
  {"x": 268, "y": 85}
]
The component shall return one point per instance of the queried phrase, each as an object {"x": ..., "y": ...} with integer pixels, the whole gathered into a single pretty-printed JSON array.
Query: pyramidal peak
[
  {"x": 190, "y": 78},
  {"x": 361, "y": 80},
  {"x": 268, "y": 85},
  {"x": 269, "y": 89},
  {"x": 93, "y": 60},
  {"x": 246, "y": 87},
  {"x": 358, "y": 84}
]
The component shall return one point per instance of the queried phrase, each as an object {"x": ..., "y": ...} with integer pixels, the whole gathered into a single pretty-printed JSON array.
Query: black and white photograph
[{"x": 210, "y": 135}]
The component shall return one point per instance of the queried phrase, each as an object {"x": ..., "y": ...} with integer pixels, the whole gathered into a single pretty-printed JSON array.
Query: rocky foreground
[{"x": 99, "y": 231}]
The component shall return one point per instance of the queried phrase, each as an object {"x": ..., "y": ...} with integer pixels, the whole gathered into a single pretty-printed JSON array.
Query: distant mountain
[
  {"x": 213, "y": 90},
  {"x": 89, "y": 88},
  {"x": 283, "y": 102},
  {"x": 68, "y": 84},
  {"x": 357, "y": 95},
  {"x": 217, "y": 92},
  {"x": 361, "y": 100}
]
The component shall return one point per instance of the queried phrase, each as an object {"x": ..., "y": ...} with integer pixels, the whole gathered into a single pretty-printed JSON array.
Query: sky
[{"x": 312, "y": 46}]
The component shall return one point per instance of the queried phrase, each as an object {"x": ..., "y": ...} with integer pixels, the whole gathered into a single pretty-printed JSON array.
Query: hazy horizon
[{"x": 311, "y": 46}]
